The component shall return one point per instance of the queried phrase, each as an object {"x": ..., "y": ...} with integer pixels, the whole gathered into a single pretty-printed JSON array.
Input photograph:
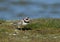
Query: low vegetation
[
  {"x": 2, "y": 21},
  {"x": 43, "y": 30},
  {"x": 44, "y": 23}
]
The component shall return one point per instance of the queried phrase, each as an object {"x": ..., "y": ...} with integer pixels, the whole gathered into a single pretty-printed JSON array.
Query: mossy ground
[{"x": 43, "y": 30}]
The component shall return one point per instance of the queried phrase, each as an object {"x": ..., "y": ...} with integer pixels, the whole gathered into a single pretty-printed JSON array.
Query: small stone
[
  {"x": 14, "y": 34},
  {"x": 55, "y": 37}
]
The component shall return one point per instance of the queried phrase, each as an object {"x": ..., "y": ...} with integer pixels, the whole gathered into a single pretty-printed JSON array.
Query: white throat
[{"x": 24, "y": 23}]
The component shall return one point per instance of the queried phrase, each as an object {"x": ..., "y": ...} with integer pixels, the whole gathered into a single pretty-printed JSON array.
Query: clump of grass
[
  {"x": 45, "y": 23},
  {"x": 2, "y": 20}
]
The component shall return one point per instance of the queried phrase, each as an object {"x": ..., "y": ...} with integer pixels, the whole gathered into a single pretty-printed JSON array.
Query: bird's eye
[{"x": 26, "y": 19}]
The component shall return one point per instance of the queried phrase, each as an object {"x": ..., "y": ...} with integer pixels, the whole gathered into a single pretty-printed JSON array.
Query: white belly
[{"x": 24, "y": 23}]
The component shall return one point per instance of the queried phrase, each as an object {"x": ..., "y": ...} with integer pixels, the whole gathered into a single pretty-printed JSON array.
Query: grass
[
  {"x": 45, "y": 23},
  {"x": 2, "y": 21},
  {"x": 43, "y": 30}
]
